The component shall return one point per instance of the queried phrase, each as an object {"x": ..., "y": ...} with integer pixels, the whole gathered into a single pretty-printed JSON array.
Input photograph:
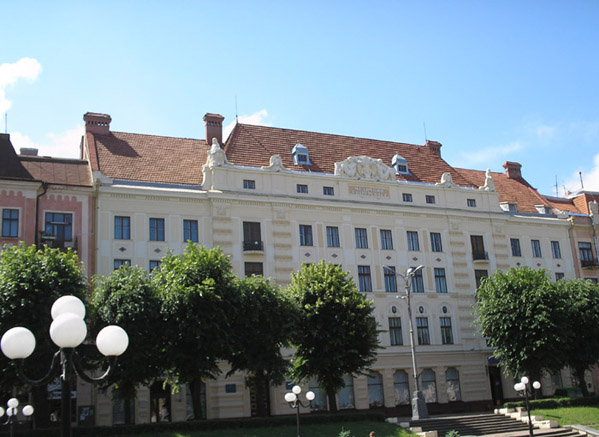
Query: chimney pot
[
  {"x": 214, "y": 127},
  {"x": 28, "y": 151},
  {"x": 434, "y": 146},
  {"x": 513, "y": 169},
  {"x": 97, "y": 123}
]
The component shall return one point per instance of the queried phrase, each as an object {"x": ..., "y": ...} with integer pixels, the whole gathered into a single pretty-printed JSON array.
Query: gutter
[{"x": 37, "y": 205}]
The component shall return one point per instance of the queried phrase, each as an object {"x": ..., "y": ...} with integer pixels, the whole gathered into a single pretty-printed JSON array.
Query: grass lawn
[
  {"x": 358, "y": 429},
  {"x": 588, "y": 416}
]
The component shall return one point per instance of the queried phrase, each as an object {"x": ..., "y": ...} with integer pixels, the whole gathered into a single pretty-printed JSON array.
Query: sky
[{"x": 492, "y": 81}]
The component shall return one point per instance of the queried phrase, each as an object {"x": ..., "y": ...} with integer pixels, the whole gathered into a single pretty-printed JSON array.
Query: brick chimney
[
  {"x": 434, "y": 146},
  {"x": 97, "y": 123},
  {"x": 214, "y": 127},
  {"x": 512, "y": 169}
]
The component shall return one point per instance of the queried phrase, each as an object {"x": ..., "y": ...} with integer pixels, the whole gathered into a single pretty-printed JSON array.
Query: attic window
[
  {"x": 300, "y": 155},
  {"x": 400, "y": 164},
  {"x": 509, "y": 206}
]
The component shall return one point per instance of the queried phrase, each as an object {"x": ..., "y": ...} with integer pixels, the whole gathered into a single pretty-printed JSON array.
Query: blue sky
[{"x": 492, "y": 81}]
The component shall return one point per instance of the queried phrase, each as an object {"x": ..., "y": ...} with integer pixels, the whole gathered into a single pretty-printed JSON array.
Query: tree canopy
[{"x": 336, "y": 332}]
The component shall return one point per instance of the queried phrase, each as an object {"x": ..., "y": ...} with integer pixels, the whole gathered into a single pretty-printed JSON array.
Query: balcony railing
[
  {"x": 589, "y": 263},
  {"x": 252, "y": 245},
  {"x": 480, "y": 256}
]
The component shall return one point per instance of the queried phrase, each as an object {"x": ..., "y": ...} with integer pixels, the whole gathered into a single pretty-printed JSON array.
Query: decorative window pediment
[
  {"x": 300, "y": 155},
  {"x": 400, "y": 164}
]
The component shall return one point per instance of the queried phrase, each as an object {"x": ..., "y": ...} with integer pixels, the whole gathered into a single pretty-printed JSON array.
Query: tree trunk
[
  {"x": 42, "y": 409},
  {"x": 195, "y": 387},
  {"x": 583, "y": 384},
  {"x": 332, "y": 401},
  {"x": 127, "y": 411},
  {"x": 262, "y": 396}
]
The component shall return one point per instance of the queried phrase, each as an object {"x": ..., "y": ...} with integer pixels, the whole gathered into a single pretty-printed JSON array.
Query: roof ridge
[{"x": 158, "y": 136}]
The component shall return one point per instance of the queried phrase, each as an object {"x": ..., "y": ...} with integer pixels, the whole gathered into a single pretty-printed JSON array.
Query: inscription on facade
[{"x": 369, "y": 191}]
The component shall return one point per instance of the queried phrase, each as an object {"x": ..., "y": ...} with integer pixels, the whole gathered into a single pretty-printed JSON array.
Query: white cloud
[
  {"x": 590, "y": 178},
  {"x": 544, "y": 131},
  {"x": 483, "y": 157},
  {"x": 24, "y": 68},
  {"x": 63, "y": 145},
  {"x": 257, "y": 118}
]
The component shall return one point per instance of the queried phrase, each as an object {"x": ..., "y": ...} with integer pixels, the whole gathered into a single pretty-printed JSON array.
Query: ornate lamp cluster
[
  {"x": 523, "y": 388},
  {"x": 11, "y": 412},
  {"x": 295, "y": 402},
  {"x": 67, "y": 331}
]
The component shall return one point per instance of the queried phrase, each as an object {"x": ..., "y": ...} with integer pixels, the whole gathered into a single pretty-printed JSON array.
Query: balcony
[
  {"x": 56, "y": 243},
  {"x": 589, "y": 263},
  {"x": 253, "y": 245},
  {"x": 480, "y": 256}
]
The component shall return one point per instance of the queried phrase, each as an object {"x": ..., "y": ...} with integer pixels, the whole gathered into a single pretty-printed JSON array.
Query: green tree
[
  {"x": 31, "y": 279},
  {"x": 523, "y": 315},
  {"x": 336, "y": 333},
  {"x": 263, "y": 326},
  {"x": 127, "y": 298},
  {"x": 198, "y": 296},
  {"x": 582, "y": 329}
]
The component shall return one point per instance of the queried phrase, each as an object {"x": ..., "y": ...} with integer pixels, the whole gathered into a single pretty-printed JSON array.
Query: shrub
[{"x": 557, "y": 402}]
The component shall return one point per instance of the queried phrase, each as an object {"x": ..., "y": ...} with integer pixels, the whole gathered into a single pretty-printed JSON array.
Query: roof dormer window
[
  {"x": 300, "y": 155},
  {"x": 400, "y": 164}
]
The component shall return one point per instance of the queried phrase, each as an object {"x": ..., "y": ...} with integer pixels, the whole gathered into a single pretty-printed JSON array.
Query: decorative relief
[
  {"x": 216, "y": 156},
  {"x": 276, "y": 164},
  {"x": 365, "y": 167},
  {"x": 489, "y": 183},
  {"x": 446, "y": 181}
]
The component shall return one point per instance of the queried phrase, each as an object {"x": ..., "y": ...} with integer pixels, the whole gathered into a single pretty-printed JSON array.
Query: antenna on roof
[
  {"x": 236, "y": 119},
  {"x": 581, "y": 184},
  {"x": 6, "y": 122},
  {"x": 425, "y": 138},
  {"x": 556, "y": 192}
]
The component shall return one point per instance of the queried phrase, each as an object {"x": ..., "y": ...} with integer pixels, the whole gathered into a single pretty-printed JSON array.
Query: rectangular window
[
  {"x": 190, "y": 230},
  {"x": 328, "y": 191},
  {"x": 586, "y": 254},
  {"x": 59, "y": 225},
  {"x": 536, "y": 248},
  {"x": 555, "y": 250},
  {"x": 386, "y": 239},
  {"x": 422, "y": 330},
  {"x": 10, "y": 222},
  {"x": 252, "y": 236},
  {"x": 390, "y": 279},
  {"x": 436, "y": 245},
  {"x": 156, "y": 229},
  {"x": 446, "y": 332},
  {"x": 559, "y": 276},
  {"x": 332, "y": 236},
  {"x": 395, "y": 331},
  {"x": 122, "y": 228},
  {"x": 361, "y": 238},
  {"x": 417, "y": 282},
  {"x": 478, "y": 248},
  {"x": 118, "y": 263},
  {"x": 305, "y": 235},
  {"x": 430, "y": 199},
  {"x": 413, "y": 244},
  {"x": 440, "y": 280},
  {"x": 249, "y": 184},
  {"x": 301, "y": 188},
  {"x": 479, "y": 275},
  {"x": 364, "y": 281},
  {"x": 471, "y": 203},
  {"x": 253, "y": 268},
  {"x": 407, "y": 197},
  {"x": 154, "y": 264},
  {"x": 515, "y": 247}
]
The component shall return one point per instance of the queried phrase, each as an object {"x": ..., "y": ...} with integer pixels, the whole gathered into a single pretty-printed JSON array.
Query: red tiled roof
[
  {"x": 254, "y": 145},
  {"x": 510, "y": 190},
  {"x": 148, "y": 158},
  {"x": 564, "y": 204},
  {"x": 58, "y": 171},
  {"x": 582, "y": 201}
]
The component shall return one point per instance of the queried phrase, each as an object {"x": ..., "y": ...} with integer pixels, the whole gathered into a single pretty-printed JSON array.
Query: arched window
[
  {"x": 452, "y": 379},
  {"x": 402, "y": 389},
  {"x": 320, "y": 400},
  {"x": 345, "y": 396},
  {"x": 375, "y": 390},
  {"x": 429, "y": 386}
]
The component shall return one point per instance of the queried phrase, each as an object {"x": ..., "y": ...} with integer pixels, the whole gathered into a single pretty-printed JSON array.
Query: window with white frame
[
  {"x": 395, "y": 336},
  {"x": 422, "y": 331},
  {"x": 386, "y": 239},
  {"x": 10, "y": 223},
  {"x": 305, "y": 232},
  {"x": 436, "y": 245},
  {"x": 413, "y": 244},
  {"x": 440, "y": 280},
  {"x": 390, "y": 279},
  {"x": 446, "y": 331},
  {"x": 59, "y": 225},
  {"x": 536, "y": 248},
  {"x": 332, "y": 236},
  {"x": 417, "y": 282},
  {"x": 190, "y": 230},
  {"x": 555, "y": 250},
  {"x": 515, "y": 243},
  {"x": 156, "y": 229},
  {"x": 364, "y": 279}
]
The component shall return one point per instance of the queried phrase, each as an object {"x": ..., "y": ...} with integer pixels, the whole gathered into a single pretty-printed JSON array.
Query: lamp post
[
  {"x": 11, "y": 412},
  {"x": 295, "y": 402},
  {"x": 419, "y": 410},
  {"x": 523, "y": 388},
  {"x": 67, "y": 331}
]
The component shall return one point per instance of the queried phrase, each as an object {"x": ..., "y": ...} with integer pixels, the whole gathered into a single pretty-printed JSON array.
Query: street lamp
[
  {"x": 523, "y": 388},
  {"x": 11, "y": 412},
  {"x": 419, "y": 410},
  {"x": 67, "y": 331},
  {"x": 294, "y": 402}
]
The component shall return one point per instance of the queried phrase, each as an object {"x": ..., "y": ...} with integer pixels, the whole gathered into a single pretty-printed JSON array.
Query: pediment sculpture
[
  {"x": 276, "y": 164},
  {"x": 216, "y": 155},
  {"x": 446, "y": 181},
  {"x": 365, "y": 167},
  {"x": 489, "y": 183}
]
